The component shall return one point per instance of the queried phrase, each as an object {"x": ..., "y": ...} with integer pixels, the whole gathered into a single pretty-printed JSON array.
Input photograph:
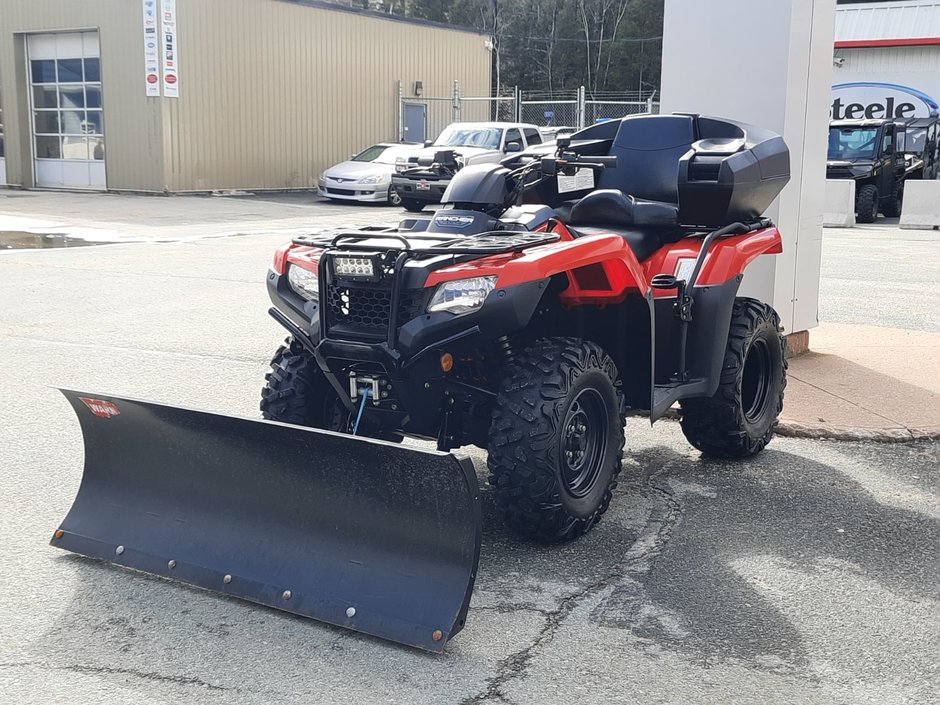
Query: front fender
[{"x": 601, "y": 269}]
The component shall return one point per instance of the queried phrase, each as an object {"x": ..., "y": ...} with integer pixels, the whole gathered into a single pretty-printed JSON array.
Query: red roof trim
[{"x": 915, "y": 41}]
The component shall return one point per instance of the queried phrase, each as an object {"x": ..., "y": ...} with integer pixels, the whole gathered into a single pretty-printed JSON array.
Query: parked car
[
  {"x": 365, "y": 176},
  {"x": 423, "y": 175}
]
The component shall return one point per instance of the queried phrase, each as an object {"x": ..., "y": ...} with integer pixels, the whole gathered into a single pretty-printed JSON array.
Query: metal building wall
[
  {"x": 914, "y": 66},
  {"x": 133, "y": 122},
  {"x": 273, "y": 92}
]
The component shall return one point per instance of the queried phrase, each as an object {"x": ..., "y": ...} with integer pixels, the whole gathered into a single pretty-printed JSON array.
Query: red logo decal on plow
[{"x": 100, "y": 407}]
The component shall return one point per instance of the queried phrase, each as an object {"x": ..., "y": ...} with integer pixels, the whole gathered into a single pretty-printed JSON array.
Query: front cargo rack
[{"x": 417, "y": 244}]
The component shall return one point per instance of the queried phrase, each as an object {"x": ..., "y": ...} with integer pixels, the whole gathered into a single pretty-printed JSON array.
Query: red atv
[{"x": 547, "y": 298}]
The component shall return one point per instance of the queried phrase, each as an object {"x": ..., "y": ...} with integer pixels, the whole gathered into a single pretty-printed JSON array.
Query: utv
[
  {"x": 871, "y": 153},
  {"x": 527, "y": 318}
]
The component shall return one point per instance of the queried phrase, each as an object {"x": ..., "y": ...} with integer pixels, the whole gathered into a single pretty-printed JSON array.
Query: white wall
[
  {"x": 766, "y": 62},
  {"x": 915, "y": 67}
]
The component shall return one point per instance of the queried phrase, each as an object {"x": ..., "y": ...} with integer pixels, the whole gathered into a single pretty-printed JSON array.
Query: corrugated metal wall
[
  {"x": 272, "y": 92},
  {"x": 896, "y": 19},
  {"x": 133, "y": 124}
]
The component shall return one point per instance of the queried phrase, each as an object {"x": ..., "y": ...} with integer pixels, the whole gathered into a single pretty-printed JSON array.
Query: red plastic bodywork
[
  {"x": 301, "y": 255},
  {"x": 727, "y": 258},
  {"x": 601, "y": 269}
]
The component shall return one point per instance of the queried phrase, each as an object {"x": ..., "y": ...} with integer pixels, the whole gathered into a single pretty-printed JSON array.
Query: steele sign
[{"x": 879, "y": 101}]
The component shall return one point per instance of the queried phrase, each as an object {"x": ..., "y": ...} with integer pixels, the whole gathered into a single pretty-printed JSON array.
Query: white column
[{"x": 769, "y": 63}]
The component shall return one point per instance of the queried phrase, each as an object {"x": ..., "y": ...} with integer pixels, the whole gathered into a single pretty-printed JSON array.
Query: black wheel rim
[
  {"x": 584, "y": 442},
  {"x": 755, "y": 386}
]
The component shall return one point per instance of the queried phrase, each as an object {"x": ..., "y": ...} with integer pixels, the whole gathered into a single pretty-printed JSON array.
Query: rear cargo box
[{"x": 732, "y": 172}]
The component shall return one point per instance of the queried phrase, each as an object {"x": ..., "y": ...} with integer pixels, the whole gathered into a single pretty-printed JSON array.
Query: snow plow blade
[{"x": 362, "y": 534}]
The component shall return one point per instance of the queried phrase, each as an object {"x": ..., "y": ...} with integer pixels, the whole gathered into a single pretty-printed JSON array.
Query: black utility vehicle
[{"x": 872, "y": 153}]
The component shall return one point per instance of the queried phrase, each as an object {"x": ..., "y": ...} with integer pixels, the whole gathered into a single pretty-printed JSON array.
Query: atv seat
[
  {"x": 639, "y": 198},
  {"x": 645, "y": 225},
  {"x": 648, "y": 149}
]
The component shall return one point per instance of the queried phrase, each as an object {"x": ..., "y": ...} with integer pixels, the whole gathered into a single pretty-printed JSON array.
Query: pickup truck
[{"x": 421, "y": 178}]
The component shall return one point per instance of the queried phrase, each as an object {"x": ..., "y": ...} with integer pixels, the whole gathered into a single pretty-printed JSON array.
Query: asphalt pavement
[{"x": 807, "y": 575}]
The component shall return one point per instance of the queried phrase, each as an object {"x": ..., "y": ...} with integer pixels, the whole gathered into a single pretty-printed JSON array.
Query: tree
[{"x": 557, "y": 45}]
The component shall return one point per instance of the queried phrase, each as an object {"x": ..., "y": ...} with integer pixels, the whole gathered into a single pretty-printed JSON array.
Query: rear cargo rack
[{"x": 417, "y": 244}]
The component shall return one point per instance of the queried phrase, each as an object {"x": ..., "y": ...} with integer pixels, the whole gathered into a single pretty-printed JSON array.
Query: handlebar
[{"x": 570, "y": 161}]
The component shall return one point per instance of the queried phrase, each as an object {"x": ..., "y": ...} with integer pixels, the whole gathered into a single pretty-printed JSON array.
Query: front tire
[
  {"x": 394, "y": 198},
  {"x": 412, "y": 205},
  {"x": 297, "y": 392},
  {"x": 739, "y": 419},
  {"x": 866, "y": 204},
  {"x": 556, "y": 439}
]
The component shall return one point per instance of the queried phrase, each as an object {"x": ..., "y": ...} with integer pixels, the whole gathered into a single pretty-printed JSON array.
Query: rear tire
[
  {"x": 297, "y": 392},
  {"x": 739, "y": 420},
  {"x": 556, "y": 439},
  {"x": 412, "y": 205},
  {"x": 866, "y": 204},
  {"x": 892, "y": 208}
]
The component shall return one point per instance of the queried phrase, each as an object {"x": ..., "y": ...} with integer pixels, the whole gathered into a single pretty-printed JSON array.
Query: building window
[{"x": 67, "y": 118}]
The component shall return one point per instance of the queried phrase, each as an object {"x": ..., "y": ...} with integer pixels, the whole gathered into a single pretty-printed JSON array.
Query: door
[
  {"x": 884, "y": 163},
  {"x": 67, "y": 120},
  {"x": 416, "y": 122}
]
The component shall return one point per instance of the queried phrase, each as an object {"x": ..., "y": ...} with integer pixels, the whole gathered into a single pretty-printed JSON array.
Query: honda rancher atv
[
  {"x": 545, "y": 300},
  {"x": 528, "y": 323}
]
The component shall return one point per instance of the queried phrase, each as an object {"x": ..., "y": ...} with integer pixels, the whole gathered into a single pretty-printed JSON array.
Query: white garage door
[{"x": 67, "y": 120}]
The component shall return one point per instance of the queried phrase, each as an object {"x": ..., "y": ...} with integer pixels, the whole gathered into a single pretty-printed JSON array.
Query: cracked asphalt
[{"x": 809, "y": 574}]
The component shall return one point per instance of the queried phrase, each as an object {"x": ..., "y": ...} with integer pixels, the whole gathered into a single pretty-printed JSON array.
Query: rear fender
[{"x": 727, "y": 259}]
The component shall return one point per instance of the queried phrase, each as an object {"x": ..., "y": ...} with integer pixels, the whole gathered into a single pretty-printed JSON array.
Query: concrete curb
[
  {"x": 900, "y": 434},
  {"x": 797, "y": 429}
]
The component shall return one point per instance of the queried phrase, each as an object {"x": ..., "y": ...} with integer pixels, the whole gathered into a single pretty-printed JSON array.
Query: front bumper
[
  {"x": 428, "y": 190},
  {"x": 353, "y": 191},
  {"x": 407, "y": 362}
]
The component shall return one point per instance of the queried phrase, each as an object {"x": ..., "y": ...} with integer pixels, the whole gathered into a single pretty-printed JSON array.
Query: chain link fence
[
  {"x": 501, "y": 109},
  {"x": 424, "y": 117},
  {"x": 597, "y": 110}
]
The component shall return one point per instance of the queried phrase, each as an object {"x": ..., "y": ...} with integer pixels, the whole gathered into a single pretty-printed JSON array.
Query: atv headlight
[
  {"x": 462, "y": 295},
  {"x": 372, "y": 179},
  {"x": 303, "y": 282}
]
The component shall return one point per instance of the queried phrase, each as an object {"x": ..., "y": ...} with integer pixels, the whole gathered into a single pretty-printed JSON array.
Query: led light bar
[{"x": 358, "y": 267}]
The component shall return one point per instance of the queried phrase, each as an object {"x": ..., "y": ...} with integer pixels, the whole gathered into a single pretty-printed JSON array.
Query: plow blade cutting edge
[{"x": 362, "y": 534}]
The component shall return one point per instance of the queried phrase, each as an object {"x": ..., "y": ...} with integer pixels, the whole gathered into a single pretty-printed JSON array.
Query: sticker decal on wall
[
  {"x": 151, "y": 49},
  {"x": 170, "y": 50}
]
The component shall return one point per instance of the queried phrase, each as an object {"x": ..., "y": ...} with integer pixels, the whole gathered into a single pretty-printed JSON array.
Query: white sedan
[{"x": 365, "y": 176}]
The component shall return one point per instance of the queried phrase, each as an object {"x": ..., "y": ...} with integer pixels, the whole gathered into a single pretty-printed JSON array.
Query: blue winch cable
[{"x": 362, "y": 406}]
